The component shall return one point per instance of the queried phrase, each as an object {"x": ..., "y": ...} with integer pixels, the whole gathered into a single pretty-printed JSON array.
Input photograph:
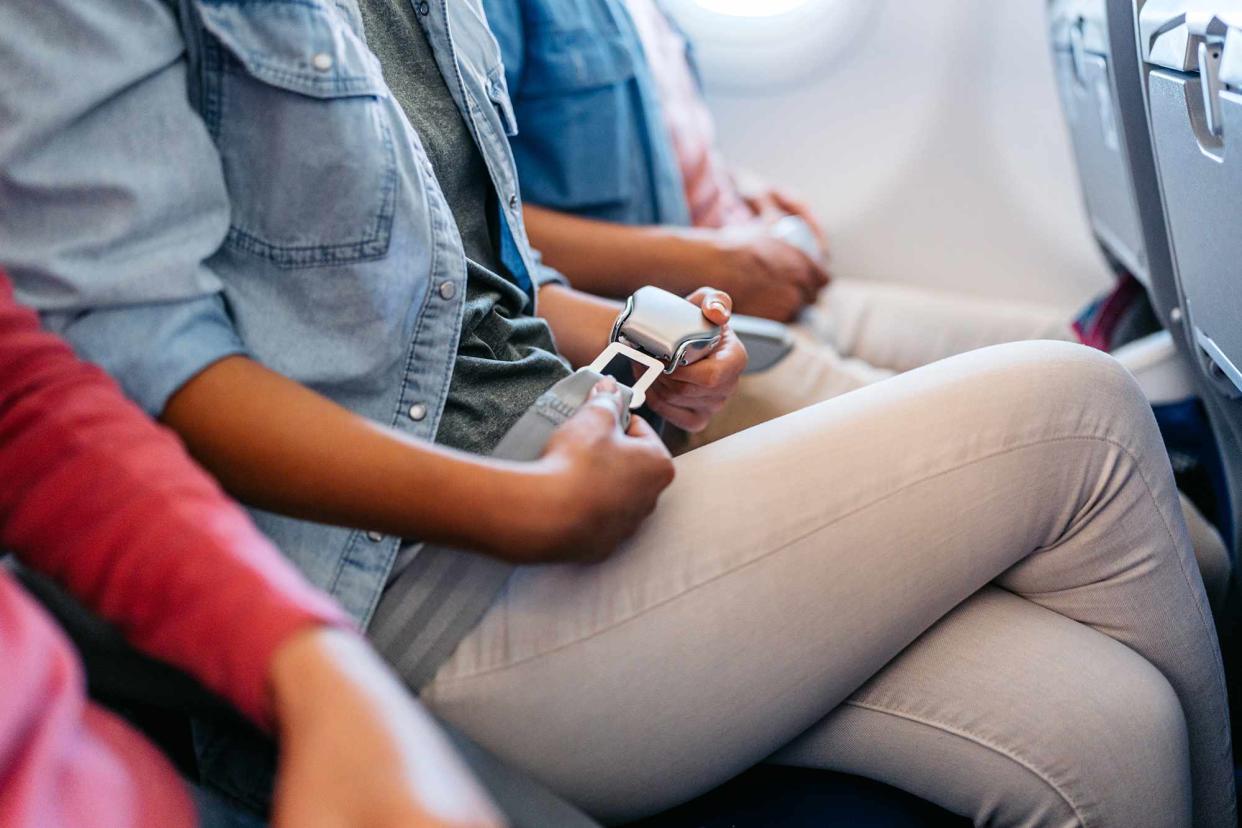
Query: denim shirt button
[
  {"x": 424, "y": 8},
  {"x": 513, "y": 201},
  {"x": 447, "y": 290},
  {"x": 322, "y": 61},
  {"x": 418, "y": 412},
  {"x": 375, "y": 537}
]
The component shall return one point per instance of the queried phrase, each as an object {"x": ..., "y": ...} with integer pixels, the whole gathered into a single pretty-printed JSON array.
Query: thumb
[
  {"x": 606, "y": 395},
  {"x": 717, "y": 305}
]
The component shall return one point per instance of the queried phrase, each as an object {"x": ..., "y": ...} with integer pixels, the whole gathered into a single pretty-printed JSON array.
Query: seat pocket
[{"x": 296, "y": 103}]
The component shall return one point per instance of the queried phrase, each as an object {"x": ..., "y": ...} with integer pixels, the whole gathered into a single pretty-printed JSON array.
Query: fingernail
[
  {"x": 607, "y": 385},
  {"x": 718, "y": 305}
]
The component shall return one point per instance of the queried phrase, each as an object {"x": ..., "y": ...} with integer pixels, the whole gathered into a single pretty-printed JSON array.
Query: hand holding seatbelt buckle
[{"x": 660, "y": 331}]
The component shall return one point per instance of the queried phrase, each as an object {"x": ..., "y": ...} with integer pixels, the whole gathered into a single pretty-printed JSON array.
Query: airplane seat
[
  {"x": 1084, "y": 66},
  {"x": 160, "y": 701},
  {"x": 1096, "y": 62},
  {"x": 1190, "y": 72},
  {"x": 1099, "y": 73},
  {"x": 1192, "y": 54}
]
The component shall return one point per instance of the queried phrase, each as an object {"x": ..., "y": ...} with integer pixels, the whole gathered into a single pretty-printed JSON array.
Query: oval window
[{"x": 759, "y": 44}]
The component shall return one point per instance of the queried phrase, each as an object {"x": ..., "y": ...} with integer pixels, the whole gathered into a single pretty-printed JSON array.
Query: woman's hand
[
  {"x": 593, "y": 487},
  {"x": 765, "y": 276},
  {"x": 356, "y": 750},
  {"x": 770, "y": 203},
  {"x": 691, "y": 396}
]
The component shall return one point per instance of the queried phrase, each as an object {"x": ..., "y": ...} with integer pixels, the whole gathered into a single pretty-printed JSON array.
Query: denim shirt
[
  {"x": 182, "y": 180},
  {"x": 591, "y": 138}
]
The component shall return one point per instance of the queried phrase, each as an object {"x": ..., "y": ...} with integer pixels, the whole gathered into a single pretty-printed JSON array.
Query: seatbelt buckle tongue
[{"x": 654, "y": 368}]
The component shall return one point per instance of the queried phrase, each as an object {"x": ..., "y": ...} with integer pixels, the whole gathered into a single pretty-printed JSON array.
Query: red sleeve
[{"x": 108, "y": 503}]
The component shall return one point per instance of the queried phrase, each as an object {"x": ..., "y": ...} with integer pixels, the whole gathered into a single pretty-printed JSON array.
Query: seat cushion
[{"x": 776, "y": 797}]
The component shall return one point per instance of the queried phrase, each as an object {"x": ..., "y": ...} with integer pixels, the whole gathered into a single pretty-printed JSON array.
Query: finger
[
  {"x": 820, "y": 274},
  {"x": 710, "y": 383},
  {"x": 640, "y": 429},
  {"x": 755, "y": 204},
  {"x": 706, "y": 408},
  {"x": 642, "y": 432},
  {"x": 718, "y": 370},
  {"x": 798, "y": 207},
  {"x": 808, "y": 289},
  {"x": 684, "y": 418},
  {"x": 717, "y": 305},
  {"x": 690, "y": 396},
  {"x": 765, "y": 207},
  {"x": 808, "y": 277},
  {"x": 606, "y": 396}
]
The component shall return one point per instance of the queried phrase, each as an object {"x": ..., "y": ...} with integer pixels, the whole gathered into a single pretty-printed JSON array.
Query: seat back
[
  {"x": 1103, "y": 64},
  {"x": 1195, "y": 124},
  {"x": 1084, "y": 66},
  {"x": 1096, "y": 61},
  {"x": 1192, "y": 66}
]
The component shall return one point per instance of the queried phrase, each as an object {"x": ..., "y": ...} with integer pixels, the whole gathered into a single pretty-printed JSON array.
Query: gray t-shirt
[{"x": 505, "y": 358}]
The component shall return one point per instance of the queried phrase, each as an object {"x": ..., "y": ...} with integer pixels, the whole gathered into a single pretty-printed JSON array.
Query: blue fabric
[
  {"x": 591, "y": 138},
  {"x": 215, "y": 812},
  {"x": 236, "y": 178},
  {"x": 1195, "y": 455},
  {"x": 779, "y": 797}
]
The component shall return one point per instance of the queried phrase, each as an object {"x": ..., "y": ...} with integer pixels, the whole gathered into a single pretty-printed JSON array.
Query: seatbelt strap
[{"x": 440, "y": 594}]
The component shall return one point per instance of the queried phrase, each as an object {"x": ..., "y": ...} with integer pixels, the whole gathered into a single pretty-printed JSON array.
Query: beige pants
[
  {"x": 972, "y": 581},
  {"x": 862, "y": 333}
]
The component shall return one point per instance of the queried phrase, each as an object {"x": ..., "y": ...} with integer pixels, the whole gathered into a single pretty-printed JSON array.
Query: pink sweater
[
  {"x": 98, "y": 497},
  {"x": 710, "y": 190}
]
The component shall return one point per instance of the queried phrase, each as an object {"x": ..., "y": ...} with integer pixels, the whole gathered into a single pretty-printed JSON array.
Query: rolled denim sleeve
[
  {"x": 112, "y": 195},
  {"x": 545, "y": 275}
]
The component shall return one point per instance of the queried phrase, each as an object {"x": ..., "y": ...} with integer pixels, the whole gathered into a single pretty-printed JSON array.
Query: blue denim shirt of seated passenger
[
  {"x": 591, "y": 139},
  {"x": 182, "y": 180}
]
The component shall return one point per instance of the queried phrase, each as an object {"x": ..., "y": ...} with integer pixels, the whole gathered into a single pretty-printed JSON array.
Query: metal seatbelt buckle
[{"x": 661, "y": 332}]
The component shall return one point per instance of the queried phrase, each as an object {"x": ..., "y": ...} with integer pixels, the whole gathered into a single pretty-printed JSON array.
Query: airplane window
[
  {"x": 757, "y": 45},
  {"x": 748, "y": 8}
]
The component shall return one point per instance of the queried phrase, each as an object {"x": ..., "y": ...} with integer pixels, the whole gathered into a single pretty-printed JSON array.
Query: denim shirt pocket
[
  {"x": 287, "y": 85},
  {"x": 578, "y": 120}
]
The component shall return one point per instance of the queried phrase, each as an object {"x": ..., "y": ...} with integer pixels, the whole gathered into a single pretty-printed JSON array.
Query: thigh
[
  {"x": 787, "y": 564},
  {"x": 812, "y": 372},
  {"x": 862, "y": 333},
  {"x": 1012, "y": 715},
  {"x": 899, "y": 327}
]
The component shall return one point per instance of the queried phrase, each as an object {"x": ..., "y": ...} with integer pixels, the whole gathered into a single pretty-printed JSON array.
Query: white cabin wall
[{"x": 933, "y": 147}]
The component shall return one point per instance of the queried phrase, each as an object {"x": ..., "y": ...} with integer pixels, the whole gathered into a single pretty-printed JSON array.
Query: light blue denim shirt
[
  {"x": 235, "y": 178},
  {"x": 591, "y": 138}
]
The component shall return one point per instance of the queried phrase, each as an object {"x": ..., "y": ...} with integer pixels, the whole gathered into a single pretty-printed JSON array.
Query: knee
[
  {"x": 1078, "y": 385},
  {"x": 1131, "y": 746},
  {"x": 1077, "y": 373}
]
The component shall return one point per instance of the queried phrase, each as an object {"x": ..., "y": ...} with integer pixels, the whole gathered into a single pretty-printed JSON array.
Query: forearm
[
  {"x": 94, "y": 495},
  {"x": 580, "y": 322},
  {"x": 281, "y": 447},
  {"x": 616, "y": 259}
]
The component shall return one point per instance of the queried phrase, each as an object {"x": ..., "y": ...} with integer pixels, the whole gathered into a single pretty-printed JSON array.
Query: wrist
[
  {"x": 537, "y": 506},
  {"x": 308, "y": 668}
]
